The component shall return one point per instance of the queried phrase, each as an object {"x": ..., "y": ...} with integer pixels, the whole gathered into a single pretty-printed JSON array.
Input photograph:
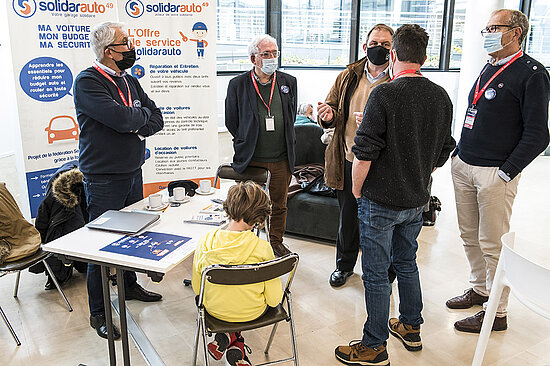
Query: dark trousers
[
  {"x": 104, "y": 194},
  {"x": 278, "y": 193},
  {"x": 347, "y": 241}
]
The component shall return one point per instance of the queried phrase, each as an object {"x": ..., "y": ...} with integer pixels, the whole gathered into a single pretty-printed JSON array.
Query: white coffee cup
[
  {"x": 205, "y": 185},
  {"x": 179, "y": 193},
  {"x": 155, "y": 200}
]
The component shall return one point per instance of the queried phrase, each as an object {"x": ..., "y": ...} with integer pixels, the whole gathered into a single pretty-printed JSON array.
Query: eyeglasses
[
  {"x": 268, "y": 54},
  {"x": 494, "y": 28},
  {"x": 128, "y": 44}
]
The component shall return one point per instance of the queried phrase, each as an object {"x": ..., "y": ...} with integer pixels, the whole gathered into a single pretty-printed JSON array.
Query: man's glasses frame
[
  {"x": 128, "y": 44},
  {"x": 493, "y": 28},
  {"x": 268, "y": 54}
]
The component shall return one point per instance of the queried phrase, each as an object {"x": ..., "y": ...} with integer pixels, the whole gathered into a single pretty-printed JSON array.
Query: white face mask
[
  {"x": 269, "y": 65},
  {"x": 492, "y": 42},
  {"x": 390, "y": 66}
]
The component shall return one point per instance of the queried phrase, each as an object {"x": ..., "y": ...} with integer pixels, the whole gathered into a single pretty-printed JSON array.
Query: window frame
[{"x": 273, "y": 26}]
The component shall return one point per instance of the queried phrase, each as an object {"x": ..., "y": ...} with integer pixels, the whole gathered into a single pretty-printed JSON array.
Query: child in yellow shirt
[{"x": 247, "y": 205}]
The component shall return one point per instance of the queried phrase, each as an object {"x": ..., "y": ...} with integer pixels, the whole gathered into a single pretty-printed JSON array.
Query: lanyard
[
  {"x": 478, "y": 93},
  {"x": 102, "y": 72},
  {"x": 258, "y": 90},
  {"x": 409, "y": 71}
]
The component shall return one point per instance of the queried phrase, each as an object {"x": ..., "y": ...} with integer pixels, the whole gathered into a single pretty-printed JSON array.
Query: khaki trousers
[
  {"x": 278, "y": 192},
  {"x": 484, "y": 207}
]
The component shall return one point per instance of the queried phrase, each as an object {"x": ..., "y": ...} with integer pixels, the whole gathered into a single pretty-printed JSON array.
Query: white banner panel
[
  {"x": 50, "y": 46},
  {"x": 175, "y": 43}
]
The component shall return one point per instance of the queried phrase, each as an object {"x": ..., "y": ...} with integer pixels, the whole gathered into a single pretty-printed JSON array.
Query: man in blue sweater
[
  {"x": 405, "y": 134},
  {"x": 115, "y": 117},
  {"x": 505, "y": 128}
]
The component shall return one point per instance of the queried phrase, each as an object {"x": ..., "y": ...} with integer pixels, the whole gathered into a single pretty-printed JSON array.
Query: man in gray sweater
[{"x": 405, "y": 134}]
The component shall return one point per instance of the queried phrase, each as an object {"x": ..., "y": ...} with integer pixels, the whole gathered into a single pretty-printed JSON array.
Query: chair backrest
[
  {"x": 309, "y": 148},
  {"x": 246, "y": 274},
  {"x": 256, "y": 174},
  {"x": 528, "y": 281}
]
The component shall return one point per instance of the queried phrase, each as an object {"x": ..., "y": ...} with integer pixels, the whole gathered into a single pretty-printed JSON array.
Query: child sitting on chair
[{"x": 247, "y": 205}]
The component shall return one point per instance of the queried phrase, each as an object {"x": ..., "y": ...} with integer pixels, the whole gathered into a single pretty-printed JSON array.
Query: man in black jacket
[
  {"x": 115, "y": 116},
  {"x": 505, "y": 128},
  {"x": 260, "y": 110},
  {"x": 405, "y": 134}
]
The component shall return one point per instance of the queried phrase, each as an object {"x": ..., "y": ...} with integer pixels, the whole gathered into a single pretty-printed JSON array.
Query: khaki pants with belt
[{"x": 484, "y": 207}]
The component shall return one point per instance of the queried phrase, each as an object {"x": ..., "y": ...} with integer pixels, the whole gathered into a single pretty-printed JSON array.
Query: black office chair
[
  {"x": 20, "y": 265},
  {"x": 235, "y": 275},
  {"x": 259, "y": 175}
]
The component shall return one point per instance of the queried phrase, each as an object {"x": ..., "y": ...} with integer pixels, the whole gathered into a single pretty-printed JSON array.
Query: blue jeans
[
  {"x": 103, "y": 194},
  {"x": 389, "y": 237}
]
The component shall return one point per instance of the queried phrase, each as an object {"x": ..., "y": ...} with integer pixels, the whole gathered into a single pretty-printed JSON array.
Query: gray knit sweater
[{"x": 406, "y": 133}]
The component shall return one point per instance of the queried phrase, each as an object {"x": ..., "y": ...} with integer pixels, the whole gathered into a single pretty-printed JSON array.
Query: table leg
[
  {"x": 122, "y": 314},
  {"x": 108, "y": 314}
]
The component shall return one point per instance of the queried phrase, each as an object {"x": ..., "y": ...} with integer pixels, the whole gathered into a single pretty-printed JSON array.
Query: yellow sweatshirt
[{"x": 235, "y": 303}]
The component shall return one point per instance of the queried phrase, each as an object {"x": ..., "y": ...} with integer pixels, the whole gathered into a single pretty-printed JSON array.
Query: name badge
[
  {"x": 270, "y": 123},
  {"x": 470, "y": 118}
]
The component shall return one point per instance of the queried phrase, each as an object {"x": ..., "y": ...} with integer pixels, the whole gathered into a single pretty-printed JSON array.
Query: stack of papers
[{"x": 207, "y": 219}]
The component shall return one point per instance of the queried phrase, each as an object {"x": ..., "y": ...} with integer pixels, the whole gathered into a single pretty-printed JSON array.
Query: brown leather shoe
[
  {"x": 472, "y": 324},
  {"x": 280, "y": 250},
  {"x": 467, "y": 300}
]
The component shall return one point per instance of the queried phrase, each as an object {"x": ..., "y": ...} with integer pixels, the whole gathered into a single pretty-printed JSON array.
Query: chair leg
[
  {"x": 57, "y": 285},
  {"x": 292, "y": 331},
  {"x": 270, "y": 340},
  {"x": 268, "y": 222},
  {"x": 9, "y": 327},
  {"x": 197, "y": 335},
  {"x": 16, "y": 289},
  {"x": 204, "y": 337},
  {"x": 489, "y": 318}
]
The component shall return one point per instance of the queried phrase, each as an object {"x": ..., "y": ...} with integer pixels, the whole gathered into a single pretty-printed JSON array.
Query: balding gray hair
[
  {"x": 253, "y": 46},
  {"x": 517, "y": 19},
  {"x": 103, "y": 35}
]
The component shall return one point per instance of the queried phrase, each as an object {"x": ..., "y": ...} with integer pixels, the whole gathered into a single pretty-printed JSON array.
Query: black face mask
[
  {"x": 128, "y": 59},
  {"x": 378, "y": 55}
]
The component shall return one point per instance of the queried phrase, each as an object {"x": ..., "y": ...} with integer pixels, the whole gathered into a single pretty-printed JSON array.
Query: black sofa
[{"x": 308, "y": 214}]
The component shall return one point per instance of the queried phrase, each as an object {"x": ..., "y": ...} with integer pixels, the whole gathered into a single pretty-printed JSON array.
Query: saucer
[
  {"x": 212, "y": 191},
  {"x": 158, "y": 208},
  {"x": 184, "y": 200}
]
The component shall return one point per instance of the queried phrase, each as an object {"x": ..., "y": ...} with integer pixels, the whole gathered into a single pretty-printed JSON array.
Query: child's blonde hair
[{"x": 248, "y": 202}]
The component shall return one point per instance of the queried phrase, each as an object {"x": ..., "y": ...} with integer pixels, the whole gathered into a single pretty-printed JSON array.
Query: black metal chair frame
[
  {"x": 235, "y": 275},
  {"x": 259, "y": 175},
  {"x": 20, "y": 265}
]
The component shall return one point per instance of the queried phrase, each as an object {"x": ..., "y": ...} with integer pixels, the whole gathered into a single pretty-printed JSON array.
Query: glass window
[
  {"x": 538, "y": 41},
  {"x": 238, "y": 22},
  {"x": 426, "y": 13},
  {"x": 458, "y": 29},
  {"x": 315, "y": 32}
]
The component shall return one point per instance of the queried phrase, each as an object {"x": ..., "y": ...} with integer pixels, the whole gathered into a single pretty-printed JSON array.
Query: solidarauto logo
[
  {"x": 134, "y": 8},
  {"x": 24, "y": 8}
]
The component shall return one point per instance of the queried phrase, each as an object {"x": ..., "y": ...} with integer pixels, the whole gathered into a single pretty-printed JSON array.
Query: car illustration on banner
[{"x": 62, "y": 128}]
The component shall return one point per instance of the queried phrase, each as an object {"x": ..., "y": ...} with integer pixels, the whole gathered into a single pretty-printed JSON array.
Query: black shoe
[
  {"x": 338, "y": 277},
  {"x": 51, "y": 286},
  {"x": 99, "y": 324},
  {"x": 137, "y": 292}
]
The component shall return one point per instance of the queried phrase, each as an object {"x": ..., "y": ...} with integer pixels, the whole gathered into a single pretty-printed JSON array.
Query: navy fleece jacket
[{"x": 109, "y": 142}]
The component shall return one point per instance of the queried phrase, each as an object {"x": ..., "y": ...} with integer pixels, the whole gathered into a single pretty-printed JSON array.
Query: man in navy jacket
[
  {"x": 260, "y": 110},
  {"x": 505, "y": 128},
  {"x": 115, "y": 116}
]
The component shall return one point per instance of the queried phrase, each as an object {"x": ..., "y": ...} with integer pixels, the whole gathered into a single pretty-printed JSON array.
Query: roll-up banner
[{"x": 175, "y": 44}]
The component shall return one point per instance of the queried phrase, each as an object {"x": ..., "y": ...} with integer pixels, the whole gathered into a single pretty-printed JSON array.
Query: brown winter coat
[
  {"x": 18, "y": 237},
  {"x": 339, "y": 99}
]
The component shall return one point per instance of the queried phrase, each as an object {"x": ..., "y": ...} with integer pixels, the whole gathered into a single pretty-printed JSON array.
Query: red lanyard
[
  {"x": 409, "y": 71},
  {"x": 258, "y": 90},
  {"x": 102, "y": 72},
  {"x": 478, "y": 93}
]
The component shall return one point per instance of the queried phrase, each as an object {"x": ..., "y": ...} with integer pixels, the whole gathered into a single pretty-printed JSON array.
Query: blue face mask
[
  {"x": 492, "y": 42},
  {"x": 269, "y": 65}
]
